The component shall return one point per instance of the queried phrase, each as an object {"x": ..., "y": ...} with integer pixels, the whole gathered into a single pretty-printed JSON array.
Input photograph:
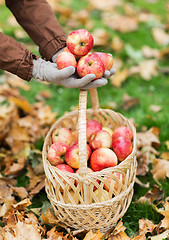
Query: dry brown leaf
[
  {"x": 145, "y": 226},
  {"x": 155, "y": 108},
  {"x": 150, "y": 52},
  {"x": 20, "y": 192},
  {"x": 120, "y": 76},
  {"x": 160, "y": 36},
  {"x": 164, "y": 155},
  {"x": 161, "y": 236},
  {"x": 34, "y": 179},
  {"x": 160, "y": 169},
  {"x": 116, "y": 22},
  {"x": 129, "y": 102},
  {"x": 22, "y": 204},
  {"x": 139, "y": 237},
  {"x": 93, "y": 236},
  {"x": 106, "y": 5},
  {"x": 101, "y": 37},
  {"x": 120, "y": 236},
  {"x": 156, "y": 194},
  {"x": 49, "y": 218},
  {"x": 116, "y": 44},
  {"x": 54, "y": 235},
  {"x": 165, "y": 213},
  {"x": 22, "y": 103}
]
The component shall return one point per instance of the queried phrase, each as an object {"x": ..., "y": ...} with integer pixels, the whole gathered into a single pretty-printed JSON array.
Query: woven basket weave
[{"x": 77, "y": 206}]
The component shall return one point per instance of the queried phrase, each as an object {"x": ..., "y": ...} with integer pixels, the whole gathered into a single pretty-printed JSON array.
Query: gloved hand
[
  {"x": 47, "y": 71},
  {"x": 93, "y": 84}
]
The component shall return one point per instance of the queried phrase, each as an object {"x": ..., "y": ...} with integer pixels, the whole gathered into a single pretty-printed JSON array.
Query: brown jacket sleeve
[
  {"x": 39, "y": 21},
  {"x": 15, "y": 58}
]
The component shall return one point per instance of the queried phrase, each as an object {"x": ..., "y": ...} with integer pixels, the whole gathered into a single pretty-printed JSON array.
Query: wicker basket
[{"x": 77, "y": 206}]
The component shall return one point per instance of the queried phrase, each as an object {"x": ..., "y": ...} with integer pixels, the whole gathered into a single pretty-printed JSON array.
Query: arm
[
  {"x": 15, "y": 58},
  {"x": 39, "y": 21}
]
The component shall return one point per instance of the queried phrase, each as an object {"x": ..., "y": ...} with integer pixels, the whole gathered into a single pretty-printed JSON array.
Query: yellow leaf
[
  {"x": 165, "y": 213},
  {"x": 120, "y": 76},
  {"x": 22, "y": 103},
  {"x": 93, "y": 236},
  {"x": 120, "y": 236}
]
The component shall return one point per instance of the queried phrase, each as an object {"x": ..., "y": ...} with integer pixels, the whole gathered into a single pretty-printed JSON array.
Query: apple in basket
[
  {"x": 106, "y": 58},
  {"x": 63, "y": 135},
  {"x": 65, "y": 167},
  {"x": 122, "y": 147},
  {"x": 108, "y": 129},
  {"x": 91, "y": 127},
  {"x": 103, "y": 158},
  {"x": 90, "y": 64},
  {"x": 80, "y": 42},
  {"x": 114, "y": 183},
  {"x": 122, "y": 131},
  {"x": 72, "y": 155},
  {"x": 101, "y": 196},
  {"x": 100, "y": 139},
  {"x": 65, "y": 59},
  {"x": 56, "y": 153}
]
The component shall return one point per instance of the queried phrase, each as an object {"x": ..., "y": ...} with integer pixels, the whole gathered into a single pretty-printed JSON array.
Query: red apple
[
  {"x": 100, "y": 139},
  {"x": 72, "y": 155},
  {"x": 103, "y": 158},
  {"x": 91, "y": 127},
  {"x": 80, "y": 42},
  {"x": 66, "y": 59},
  {"x": 65, "y": 167},
  {"x": 108, "y": 129},
  {"x": 106, "y": 59},
  {"x": 90, "y": 64},
  {"x": 122, "y": 131},
  {"x": 112, "y": 181},
  {"x": 63, "y": 135},
  {"x": 56, "y": 153},
  {"x": 122, "y": 147}
]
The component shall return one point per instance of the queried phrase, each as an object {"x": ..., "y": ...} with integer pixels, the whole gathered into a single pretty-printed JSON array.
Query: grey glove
[{"x": 47, "y": 71}]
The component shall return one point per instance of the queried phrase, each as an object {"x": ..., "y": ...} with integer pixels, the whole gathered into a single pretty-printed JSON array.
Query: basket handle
[{"x": 82, "y": 126}]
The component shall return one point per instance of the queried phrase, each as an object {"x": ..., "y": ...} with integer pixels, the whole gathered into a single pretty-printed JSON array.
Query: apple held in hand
[
  {"x": 80, "y": 42},
  {"x": 65, "y": 59},
  {"x": 114, "y": 182},
  {"x": 56, "y": 153},
  {"x": 100, "y": 139},
  {"x": 91, "y": 127},
  {"x": 122, "y": 131},
  {"x": 72, "y": 155},
  {"x": 122, "y": 147},
  {"x": 103, "y": 158},
  {"x": 90, "y": 64},
  {"x": 106, "y": 58},
  {"x": 63, "y": 135}
]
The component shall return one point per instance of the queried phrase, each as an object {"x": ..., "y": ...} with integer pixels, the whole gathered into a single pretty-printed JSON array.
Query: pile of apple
[
  {"x": 77, "y": 54},
  {"x": 105, "y": 148}
]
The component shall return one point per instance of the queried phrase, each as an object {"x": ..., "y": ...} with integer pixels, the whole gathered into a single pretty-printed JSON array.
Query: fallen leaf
[
  {"x": 155, "y": 108},
  {"x": 160, "y": 169},
  {"x": 165, "y": 213},
  {"x": 105, "y": 5},
  {"x": 116, "y": 22},
  {"x": 120, "y": 236},
  {"x": 20, "y": 192},
  {"x": 116, "y": 44},
  {"x": 161, "y": 236},
  {"x": 129, "y": 102},
  {"x": 54, "y": 235},
  {"x": 119, "y": 77},
  {"x": 146, "y": 226},
  {"x": 93, "y": 236},
  {"x": 101, "y": 37},
  {"x": 149, "y": 52},
  {"x": 160, "y": 36},
  {"x": 22, "y": 103}
]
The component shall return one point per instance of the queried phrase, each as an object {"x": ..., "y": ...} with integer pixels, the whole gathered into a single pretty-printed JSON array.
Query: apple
[
  {"x": 106, "y": 59},
  {"x": 72, "y": 155},
  {"x": 103, "y": 158},
  {"x": 80, "y": 42},
  {"x": 112, "y": 181},
  {"x": 90, "y": 64},
  {"x": 56, "y": 153},
  {"x": 71, "y": 197},
  {"x": 67, "y": 50},
  {"x": 65, "y": 59},
  {"x": 102, "y": 197},
  {"x": 65, "y": 167},
  {"x": 122, "y": 147},
  {"x": 63, "y": 135},
  {"x": 91, "y": 127},
  {"x": 122, "y": 131},
  {"x": 108, "y": 129},
  {"x": 100, "y": 139}
]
